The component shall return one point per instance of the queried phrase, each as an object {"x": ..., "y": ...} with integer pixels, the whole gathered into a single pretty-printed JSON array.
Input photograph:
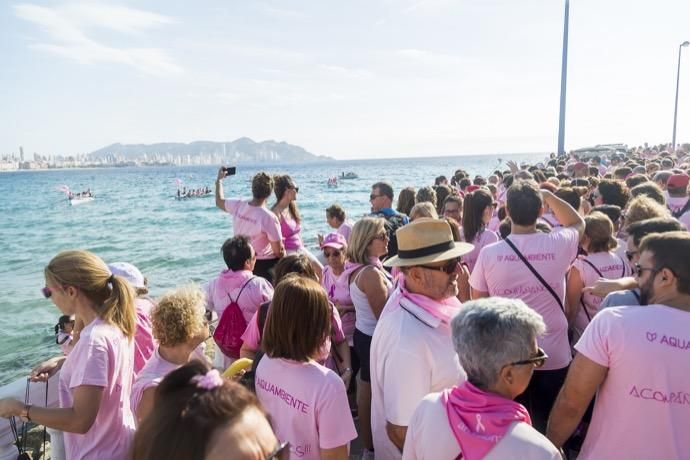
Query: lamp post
[
  {"x": 564, "y": 74},
  {"x": 675, "y": 109}
]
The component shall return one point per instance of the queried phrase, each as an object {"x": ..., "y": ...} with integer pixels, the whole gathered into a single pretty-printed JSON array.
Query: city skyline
[{"x": 378, "y": 78}]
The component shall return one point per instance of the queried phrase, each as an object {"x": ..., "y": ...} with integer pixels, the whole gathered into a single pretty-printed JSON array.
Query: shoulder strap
[
  {"x": 594, "y": 267},
  {"x": 637, "y": 296},
  {"x": 683, "y": 210},
  {"x": 536, "y": 274},
  {"x": 624, "y": 265},
  {"x": 241, "y": 289}
]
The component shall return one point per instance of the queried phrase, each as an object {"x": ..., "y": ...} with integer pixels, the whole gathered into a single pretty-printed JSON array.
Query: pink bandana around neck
[
  {"x": 479, "y": 419},
  {"x": 444, "y": 310}
]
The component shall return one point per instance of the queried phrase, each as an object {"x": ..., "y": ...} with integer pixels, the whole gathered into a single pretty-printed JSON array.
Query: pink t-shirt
[
  {"x": 252, "y": 336},
  {"x": 611, "y": 266},
  {"x": 675, "y": 204},
  {"x": 482, "y": 239},
  {"x": 500, "y": 272},
  {"x": 345, "y": 229},
  {"x": 225, "y": 288},
  {"x": 150, "y": 376},
  {"x": 308, "y": 405},
  {"x": 641, "y": 409},
  {"x": 102, "y": 357},
  {"x": 290, "y": 230},
  {"x": 256, "y": 222},
  {"x": 339, "y": 293},
  {"x": 144, "y": 342}
]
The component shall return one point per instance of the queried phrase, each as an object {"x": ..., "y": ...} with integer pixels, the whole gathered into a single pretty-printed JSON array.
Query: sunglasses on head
[
  {"x": 537, "y": 361},
  {"x": 449, "y": 267}
]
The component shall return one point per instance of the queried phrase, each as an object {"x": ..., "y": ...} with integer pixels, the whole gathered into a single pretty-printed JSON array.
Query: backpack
[{"x": 231, "y": 326}]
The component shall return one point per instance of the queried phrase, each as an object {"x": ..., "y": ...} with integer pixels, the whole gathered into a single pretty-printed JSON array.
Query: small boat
[
  {"x": 349, "y": 175},
  {"x": 332, "y": 182},
  {"x": 184, "y": 197},
  {"x": 80, "y": 200}
]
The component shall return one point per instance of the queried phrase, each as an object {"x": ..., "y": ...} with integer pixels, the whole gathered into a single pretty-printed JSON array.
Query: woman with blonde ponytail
[{"x": 96, "y": 378}]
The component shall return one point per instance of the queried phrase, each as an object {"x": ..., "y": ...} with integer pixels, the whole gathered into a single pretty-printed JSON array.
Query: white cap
[{"x": 128, "y": 272}]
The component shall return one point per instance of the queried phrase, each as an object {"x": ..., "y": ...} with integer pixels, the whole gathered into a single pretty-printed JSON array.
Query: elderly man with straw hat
[{"x": 412, "y": 352}]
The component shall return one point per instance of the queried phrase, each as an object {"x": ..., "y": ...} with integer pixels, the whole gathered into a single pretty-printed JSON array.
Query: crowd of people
[{"x": 541, "y": 312}]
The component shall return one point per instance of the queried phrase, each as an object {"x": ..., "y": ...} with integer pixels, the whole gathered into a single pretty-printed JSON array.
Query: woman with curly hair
[{"x": 180, "y": 326}]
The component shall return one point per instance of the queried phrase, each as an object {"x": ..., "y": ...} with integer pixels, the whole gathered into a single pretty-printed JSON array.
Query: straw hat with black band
[{"x": 426, "y": 241}]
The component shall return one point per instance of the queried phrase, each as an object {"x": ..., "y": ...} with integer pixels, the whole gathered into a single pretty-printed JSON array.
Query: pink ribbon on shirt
[{"x": 480, "y": 419}]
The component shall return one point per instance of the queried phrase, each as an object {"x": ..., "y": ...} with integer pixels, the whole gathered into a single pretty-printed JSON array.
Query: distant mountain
[{"x": 240, "y": 150}]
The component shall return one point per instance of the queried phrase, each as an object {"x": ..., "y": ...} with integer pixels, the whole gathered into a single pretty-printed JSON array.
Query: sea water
[{"x": 135, "y": 218}]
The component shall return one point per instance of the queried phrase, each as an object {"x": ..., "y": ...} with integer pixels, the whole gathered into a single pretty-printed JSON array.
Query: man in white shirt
[{"x": 411, "y": 352}]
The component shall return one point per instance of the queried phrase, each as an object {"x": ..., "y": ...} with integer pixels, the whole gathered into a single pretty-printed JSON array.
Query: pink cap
[
  {"x": 472, "y": 188},
  {"x": 678, "y": 181},
  {"x": 334, "y": 240}
]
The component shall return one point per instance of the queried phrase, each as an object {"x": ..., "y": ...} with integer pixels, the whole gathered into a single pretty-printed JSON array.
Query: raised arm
[
  {"x": 566, "y": 215},
  {"x": 220, "y": 198}
]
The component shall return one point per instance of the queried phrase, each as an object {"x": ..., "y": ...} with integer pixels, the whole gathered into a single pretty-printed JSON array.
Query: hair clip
[{"x": 211, "y": 380}]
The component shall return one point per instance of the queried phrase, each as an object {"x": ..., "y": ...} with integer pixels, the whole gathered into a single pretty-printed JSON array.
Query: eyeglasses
[
  {"x": 537, "y": 361},
  {"x": 373, "y": 197},
  {"x": 282, "y": 452},
  {"x": 331, "y": 253},
  {"x": 631, "y": 254},
  {"x": 640, "y": 269},
  {"x": 448, "y": 268},
  {"x": 381, "y": 236}
]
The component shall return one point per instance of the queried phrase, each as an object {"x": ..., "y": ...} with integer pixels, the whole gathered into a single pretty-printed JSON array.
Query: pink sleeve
[
  {"x": 568, "y": 240},
  {"x": 231, "y": 205},
  {"x": 251, "y": 335},
  {"x": 477, "y": 278},
  {"x": 336, "y": 326},
  {"x": 271, "y": 226},
  {"x": 599, "y": 337},
  {"x": 333, "y": 419},
  {"x": 95, "y": 370}
]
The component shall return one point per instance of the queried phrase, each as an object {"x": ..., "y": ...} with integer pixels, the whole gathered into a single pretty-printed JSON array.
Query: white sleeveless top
[{"x": 365, "y": 321}]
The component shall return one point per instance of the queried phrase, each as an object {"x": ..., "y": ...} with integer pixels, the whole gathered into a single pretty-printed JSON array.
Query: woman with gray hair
[{"x": 496, "y": 342}]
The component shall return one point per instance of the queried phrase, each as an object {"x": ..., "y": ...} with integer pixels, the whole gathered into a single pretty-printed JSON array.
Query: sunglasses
[
  {"x": 537, "y": 361},
  {"x": 448, "y": 268},
  {"x": 331, "y": 253},
  {"x": 296, "y": 189},
  {"x": 640, "y": 269},
  {"x": 630, "y": 254},
  {"x": 373, "y": 197},
  {"x": 282, "y": 452},
  {"x": 48, "y": 292}
]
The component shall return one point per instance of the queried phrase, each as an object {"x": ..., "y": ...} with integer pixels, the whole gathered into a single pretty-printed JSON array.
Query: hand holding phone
[{"x": 230, "y": 170}]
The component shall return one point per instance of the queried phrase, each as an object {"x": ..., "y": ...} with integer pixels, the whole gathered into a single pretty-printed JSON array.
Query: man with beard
[
  {"x": 411, "y": 351},
  {"x": 636, "y": 360}
]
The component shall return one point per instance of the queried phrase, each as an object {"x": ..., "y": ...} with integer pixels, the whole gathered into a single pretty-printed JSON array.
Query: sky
[{"x": 347, "y": 79}]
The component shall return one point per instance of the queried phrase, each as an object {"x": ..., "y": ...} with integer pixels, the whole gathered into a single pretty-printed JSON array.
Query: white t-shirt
[
  {"x": 642, "y": 409},
  {"x": 256, "y": 222},
  {"x": 412, "y": 355},
  {"x": 500, "y": 272},
  {"x": 430, "y": 437},
  {"x": 308, "y": 405}
]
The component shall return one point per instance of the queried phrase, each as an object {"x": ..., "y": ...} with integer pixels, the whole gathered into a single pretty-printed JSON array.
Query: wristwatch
[{"x": 24, "y": 414}]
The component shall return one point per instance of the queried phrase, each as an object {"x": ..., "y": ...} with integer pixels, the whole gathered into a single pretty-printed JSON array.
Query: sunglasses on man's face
[
  {"x": 448, "y": 268},
  {"x": 537, "y": 361},
  {"x": 373, "y": 197}
]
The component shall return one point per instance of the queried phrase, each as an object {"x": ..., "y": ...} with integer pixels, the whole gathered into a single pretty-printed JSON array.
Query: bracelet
[{"x": 347, "y": 369}]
